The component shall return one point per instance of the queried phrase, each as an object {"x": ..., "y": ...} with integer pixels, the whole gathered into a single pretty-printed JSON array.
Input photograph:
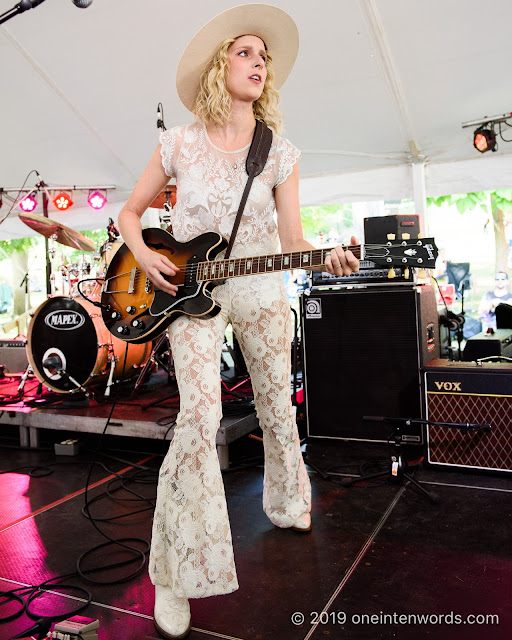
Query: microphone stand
[
  {"x": 41, "y": 185},
  {"x": 460, "y": 327},
  {"x": 399, "y": 467},
  {"x": 22, "y": 6}
]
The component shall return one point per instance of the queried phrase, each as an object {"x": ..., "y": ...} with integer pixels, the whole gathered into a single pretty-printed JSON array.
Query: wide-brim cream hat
[{"x": 273, "y": 25}]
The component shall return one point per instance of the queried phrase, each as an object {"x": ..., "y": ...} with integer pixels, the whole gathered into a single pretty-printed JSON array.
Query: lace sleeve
[
  {"x": 286, "y": 157},
  {"x": 171, "y": 142}
]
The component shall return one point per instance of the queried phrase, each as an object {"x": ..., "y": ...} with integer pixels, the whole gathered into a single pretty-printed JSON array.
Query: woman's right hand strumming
[{"x": 155, "y": 266}]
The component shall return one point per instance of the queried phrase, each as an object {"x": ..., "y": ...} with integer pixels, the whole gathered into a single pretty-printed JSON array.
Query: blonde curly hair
[{"x": 213, "y": 102}]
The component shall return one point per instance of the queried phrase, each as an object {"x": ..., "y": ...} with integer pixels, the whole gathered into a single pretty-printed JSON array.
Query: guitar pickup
[{"x": 131, "y": 286}]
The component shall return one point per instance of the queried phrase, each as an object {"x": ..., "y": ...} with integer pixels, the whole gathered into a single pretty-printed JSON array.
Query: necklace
[{"x": 238, "y": 163}]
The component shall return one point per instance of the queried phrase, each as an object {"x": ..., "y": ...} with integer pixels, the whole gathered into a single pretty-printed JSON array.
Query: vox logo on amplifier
[{"x": 448, "y": 386}]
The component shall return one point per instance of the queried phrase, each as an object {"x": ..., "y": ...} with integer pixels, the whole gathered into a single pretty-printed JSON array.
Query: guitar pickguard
[{"x": 164, "y": 303}]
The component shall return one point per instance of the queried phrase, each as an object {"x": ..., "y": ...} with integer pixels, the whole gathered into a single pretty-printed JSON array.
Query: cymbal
[{"x": 61, "y": 233}]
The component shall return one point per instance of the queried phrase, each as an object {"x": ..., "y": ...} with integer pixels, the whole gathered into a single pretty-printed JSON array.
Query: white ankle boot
[
  {"x": 171, "y": 615},
  {"x": 303, "y": 523}
]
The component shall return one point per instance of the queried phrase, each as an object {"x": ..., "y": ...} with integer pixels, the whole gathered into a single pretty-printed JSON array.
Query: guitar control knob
[
  {"x": 138, "y": 324},
  {"x": 124, "y": 331},
  {"x": 131, "y": 310},
  {"x": 116, "y": 315}
]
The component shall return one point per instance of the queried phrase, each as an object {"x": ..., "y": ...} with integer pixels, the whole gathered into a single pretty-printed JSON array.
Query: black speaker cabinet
[
  {"x": 363, "y": 349},
  {"x": 464, "y": 392}
]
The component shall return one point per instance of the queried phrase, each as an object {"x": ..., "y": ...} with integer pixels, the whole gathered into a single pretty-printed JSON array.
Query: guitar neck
[{"x": 234, "y": 267}]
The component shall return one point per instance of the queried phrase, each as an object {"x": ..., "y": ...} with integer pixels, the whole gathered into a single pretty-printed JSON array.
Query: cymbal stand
[{"x": 50, "y": 256}]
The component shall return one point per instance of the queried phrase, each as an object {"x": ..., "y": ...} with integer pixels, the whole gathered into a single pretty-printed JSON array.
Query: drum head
[{"x": 62, "y": 336}]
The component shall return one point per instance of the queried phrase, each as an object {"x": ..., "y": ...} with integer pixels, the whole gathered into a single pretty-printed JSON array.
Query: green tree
[
  {"x": 500, "y": 203},
  {"x": 18, "y": 250},
  {"x": 325, "y": 218}
]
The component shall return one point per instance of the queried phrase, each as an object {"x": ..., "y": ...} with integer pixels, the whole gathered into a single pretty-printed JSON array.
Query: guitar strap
[{"x": 256, "y": 160}]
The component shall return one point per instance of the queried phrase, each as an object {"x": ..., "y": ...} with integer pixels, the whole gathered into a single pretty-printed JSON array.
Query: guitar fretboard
[{"x": 233, "y": 267}]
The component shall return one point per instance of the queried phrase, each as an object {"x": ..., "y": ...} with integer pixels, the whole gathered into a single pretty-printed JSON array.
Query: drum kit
[{"x": 69, "y": 347}]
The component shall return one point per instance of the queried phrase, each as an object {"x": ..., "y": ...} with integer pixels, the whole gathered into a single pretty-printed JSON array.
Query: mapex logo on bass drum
[{"x": 64, "y": 320}]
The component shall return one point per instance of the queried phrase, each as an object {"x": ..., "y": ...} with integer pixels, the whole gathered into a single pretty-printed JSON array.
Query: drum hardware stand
[
  {"x": 154, "y": 357},
  {"x": 24, "y": 377},
  {"x": 63, "y": 372},
  {"x": 113, "y": 361},
  {"x": 52, "y": 364}
]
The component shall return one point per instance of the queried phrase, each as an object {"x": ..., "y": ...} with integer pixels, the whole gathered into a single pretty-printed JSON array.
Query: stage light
[
  {"x": 29, "y": 203},
  {"x": 484, "y": 140},
  {"x": 96, "y": 199},
  {"x": 63, "y": 201}
]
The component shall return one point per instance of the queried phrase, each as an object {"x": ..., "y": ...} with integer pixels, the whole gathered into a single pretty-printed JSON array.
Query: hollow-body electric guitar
[{"x": 134, "y": 310}]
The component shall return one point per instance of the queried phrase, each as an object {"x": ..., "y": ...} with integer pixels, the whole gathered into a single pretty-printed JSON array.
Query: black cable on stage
[
  {"x": 36, "y": 591},
  {"x": 141, "y": 554},
  {"x": 94, "y": 302}
]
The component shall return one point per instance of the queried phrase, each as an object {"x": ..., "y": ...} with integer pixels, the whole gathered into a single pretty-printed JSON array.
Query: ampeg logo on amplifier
[
  {"x": 313, "y": 308},
  {"x": 64, "y": 320}
]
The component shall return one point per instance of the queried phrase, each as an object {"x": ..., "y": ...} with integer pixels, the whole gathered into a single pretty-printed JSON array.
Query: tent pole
[{"x": 419, "y": 191}]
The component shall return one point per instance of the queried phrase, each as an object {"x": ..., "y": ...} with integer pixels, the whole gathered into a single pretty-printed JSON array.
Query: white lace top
[{"x": 210, "y": 183}]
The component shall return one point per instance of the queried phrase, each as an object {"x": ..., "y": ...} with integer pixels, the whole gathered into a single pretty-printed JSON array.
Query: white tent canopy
[{"x": 375, "y": 102}]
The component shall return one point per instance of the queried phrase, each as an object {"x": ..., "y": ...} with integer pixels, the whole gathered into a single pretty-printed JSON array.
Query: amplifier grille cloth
[{"x": 488, "y": 449}]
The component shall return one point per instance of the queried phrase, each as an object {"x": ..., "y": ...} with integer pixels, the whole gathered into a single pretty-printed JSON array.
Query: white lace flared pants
[{"x": 191, "y": 549}]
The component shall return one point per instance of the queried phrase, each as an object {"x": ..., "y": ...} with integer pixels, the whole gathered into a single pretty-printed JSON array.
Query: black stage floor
[{"x": 382, "y": 561}]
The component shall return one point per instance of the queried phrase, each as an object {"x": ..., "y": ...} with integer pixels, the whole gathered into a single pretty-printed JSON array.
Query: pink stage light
[
  {"x": 96, "y": 199},
  {"x": 29, "y": 203}
]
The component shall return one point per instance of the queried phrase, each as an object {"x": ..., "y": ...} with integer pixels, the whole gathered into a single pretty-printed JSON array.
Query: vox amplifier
[{"x": 461, "y": 392}]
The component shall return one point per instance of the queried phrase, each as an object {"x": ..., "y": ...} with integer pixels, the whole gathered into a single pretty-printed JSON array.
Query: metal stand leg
[
  {"x": 29, "y": 437},
  {"x": 24, "y": 437},
  {"x": 163, "y": 339},
  {"x": 223, "y": 454},
  {"x": 397, "y": 470},
  {"x": 34, "y": 437}
]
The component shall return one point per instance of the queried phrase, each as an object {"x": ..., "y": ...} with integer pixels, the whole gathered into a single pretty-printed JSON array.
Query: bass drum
[{"x": 67, "y": 339}]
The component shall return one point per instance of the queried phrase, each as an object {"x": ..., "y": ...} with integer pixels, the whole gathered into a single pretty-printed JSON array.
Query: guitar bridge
[{"x": 131, "y": 286}]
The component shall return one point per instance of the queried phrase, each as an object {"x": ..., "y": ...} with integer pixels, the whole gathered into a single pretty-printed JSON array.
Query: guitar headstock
[{"x": 403, "y": 253}]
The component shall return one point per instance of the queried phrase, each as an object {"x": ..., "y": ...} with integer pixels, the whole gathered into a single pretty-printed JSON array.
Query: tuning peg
[
  {"x": 406, "y": 273},
  {"x": 391, "y": 273},
  {"x": 391, "y": 236},
  {"x": 422, "y": 274},
  {"x": 406, "y": 236},
  {"x": 420, "y": 236}
]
